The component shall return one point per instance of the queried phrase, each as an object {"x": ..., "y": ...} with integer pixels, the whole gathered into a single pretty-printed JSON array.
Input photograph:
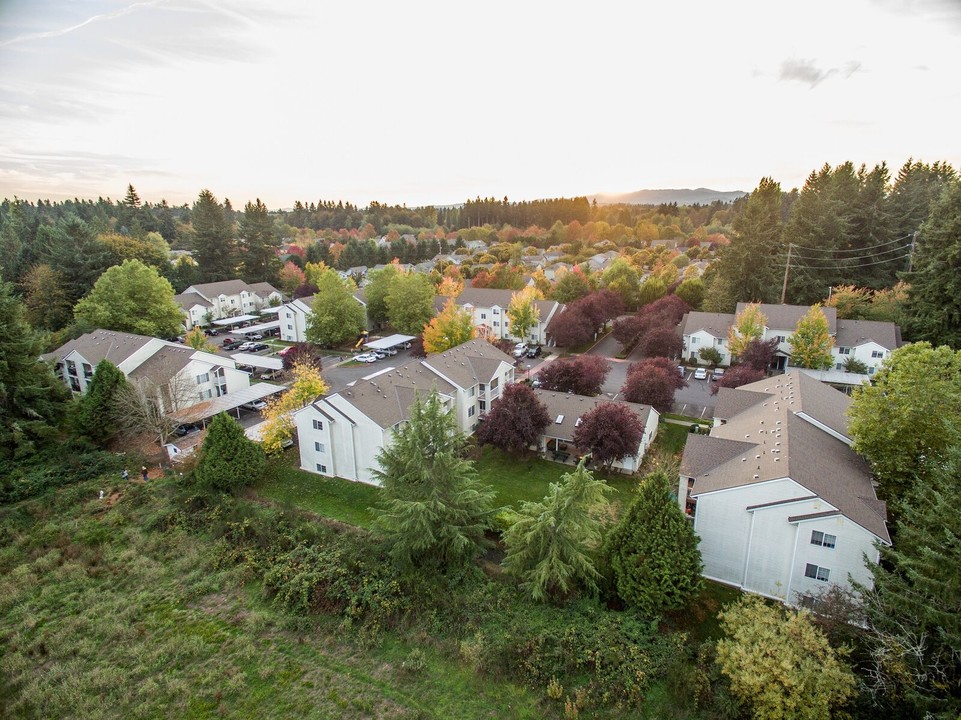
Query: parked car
[
  {"x": 718, "y": 373},
  {"x": 186, "y": 429},
  {"x": 245, "y": 347},
  {"x": 258, "y": 346},
  {"x": 231, "y": 344},
  {"x": 390, "y": 351},
  {"x": 520, "y": 350},
  {"x": 700, "y": 374},
  {"x": 286, "y": 351},
  {"x": 536, "y": 382},
  {"x": 366, "y": 358},
  {"x": 256, "y": 405},
  {"x": 255, "y": 336},
  {"x": 212, "y": 332},
  {"x": 533, "y": 352}
]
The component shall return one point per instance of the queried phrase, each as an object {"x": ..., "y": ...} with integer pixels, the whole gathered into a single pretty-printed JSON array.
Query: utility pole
[
  {"x": 914, "y": 239},
  {"x": 787, "y": 267}
]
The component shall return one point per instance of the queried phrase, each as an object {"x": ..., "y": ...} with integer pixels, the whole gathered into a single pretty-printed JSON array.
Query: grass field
[{"x": 108, "y": 609}]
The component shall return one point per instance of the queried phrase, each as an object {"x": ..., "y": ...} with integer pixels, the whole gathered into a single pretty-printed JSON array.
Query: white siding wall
[
  {"x": 846, "y": 558},
  {"x": 870, "y": 353},
  {"x": 702, "y": 339},
  {"x": 297, "y": 319}
]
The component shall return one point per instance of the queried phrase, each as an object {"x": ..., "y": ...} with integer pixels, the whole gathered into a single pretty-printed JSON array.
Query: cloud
[
  {"x": 808, "y": 73},
  {"x": 27, "y": 37}
]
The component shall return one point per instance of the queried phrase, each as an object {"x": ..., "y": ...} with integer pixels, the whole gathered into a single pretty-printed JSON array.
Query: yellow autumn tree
[
  {"x": 748, "y": 325},
  {"x": 451, "y": 327},
  {"x": 450, "y": 287},
  {"x": 522, "y": 312},
  {"x": 307, "y": 386},
  {"x": 198, "y": 341}
]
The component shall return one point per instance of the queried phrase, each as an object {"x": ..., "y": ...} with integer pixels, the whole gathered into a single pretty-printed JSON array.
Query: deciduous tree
[
  {"x": 228, "y": 460},
  {"x": 48, "y": 305},
  {"x": 306, "y": 387},
  {"x": 759, "y": 354},
  {"x": 653, "y": 382},
  {"x": 451, "y": 327},
  {"x": 375, "y": 292},
  {"x": 653, "y": 551},
  {"x": 748, "y": 325},
  {"x": 907, "y": 418},
  {"x": 736, "y": 376},
  {"x": 609, "y": 432},
  {"x": 691, "y": 291},
  {"x": 661, "y": 342},
  {"x": 336, "y": 315},
  {"x": 551, "y": 547},
  {"x": 433, "y": 509},
  {"x": 622, "y": 278},
  {"x": 779, "y": 664},
  {"x": 198, "y": 341},
  {"x": 581, "y": 375},
  {"x": 515, "y": 421},
  {"x": 131, "y": 298},
  {"x": 522, "y": 312},
  {"x": 811, "y": 342},
  {"x": 570, "y": 328},
  {"x": 410, "y": 302}
]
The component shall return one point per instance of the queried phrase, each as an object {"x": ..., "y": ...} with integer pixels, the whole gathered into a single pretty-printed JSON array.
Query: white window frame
[
  {"x": 318, "y": 424},
  {"x": 816, "y": 572},
  {"x": 823, "y": 539}
]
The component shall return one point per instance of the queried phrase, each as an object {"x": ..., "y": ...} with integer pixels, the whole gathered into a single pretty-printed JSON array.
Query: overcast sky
[{"x": 435, "y": 102}]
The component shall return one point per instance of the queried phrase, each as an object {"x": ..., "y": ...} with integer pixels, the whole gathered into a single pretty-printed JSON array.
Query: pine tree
[
  {"x": 551, "y": 546},
  {"x": 433, "y": 508},
  {"x": 934, "y": 302},
  {"x": 653, "y": 551},
  {"x": 260, "y": 262},
  {"x": 811, "y": 341},
  {"x": 96, "y": 414},
  {"x": 914, "y": 608},
  {"x": 214, "y": 247},
  {"x": 228, "y": 459},
  {"x": 31, "y": 398}
]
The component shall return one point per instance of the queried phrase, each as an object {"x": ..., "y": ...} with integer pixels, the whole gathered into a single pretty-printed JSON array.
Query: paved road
[{"x": 695, "y": 400}]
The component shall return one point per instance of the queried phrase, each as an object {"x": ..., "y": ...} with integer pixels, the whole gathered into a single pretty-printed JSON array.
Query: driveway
[{"x": 695, "y": 400}]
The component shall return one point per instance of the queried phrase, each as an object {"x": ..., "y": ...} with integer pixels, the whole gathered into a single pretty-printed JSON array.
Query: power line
[
  {"x": 900, "y": 248},
  {"x": 853, "y": 250},
  {"x": 853, "y": 267}
]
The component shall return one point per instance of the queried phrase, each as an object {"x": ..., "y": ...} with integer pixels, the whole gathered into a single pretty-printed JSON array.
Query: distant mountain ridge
[{"x": 682, "y": 196}]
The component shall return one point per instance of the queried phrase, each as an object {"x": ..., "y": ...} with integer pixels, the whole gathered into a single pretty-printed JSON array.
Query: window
[
  {"x": 201, "y": 379},
  {"x": 839, "y": 366},
  {"x": 470, "y": 411},
  {"x": 87, "y": 370},
  {"x": 471, "y": 392},
  {"x": 221, "y": 390},
  {"x": 290, "y": 327},
  {"x": 483, "y": 387},
  {"x": 319, "y": 447},
  {"x": 483, "y": 316},
  {"x": 496, "y": 311},
  {"x": 823, "y": 539},
  {"x": 718, "y": 341},
  {"x": 483, "y": 405},
  {"x": 818, "y": 573},
  {"x": 493, "y": 383},
  {"x": 844, "y": 351},
  {"x": 694, "y": 340},
  {"x": 321, "y": 468},
  {"x": 497, "y": 323},
  {"x": 318, "y": 424},
  {"x": 781, "y": 338},
  {"x": 877, "y": 353}
]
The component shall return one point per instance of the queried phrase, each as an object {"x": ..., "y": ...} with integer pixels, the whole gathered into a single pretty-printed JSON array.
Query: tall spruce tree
[
  {"x": 433, "y": 509},
  {"x": 934, "y": 297},
  {"x": 31, "y": 399},
  {"x": 260, "y": 262},
  {"x": 914, "y": 608},
  {"x": 552, "y": 545},
  {"x": 95, "y": 415},
  {"x": 228, "y": 459},
  {"x": 653, "y": 551},
  {"x": 214, "y": 248}
]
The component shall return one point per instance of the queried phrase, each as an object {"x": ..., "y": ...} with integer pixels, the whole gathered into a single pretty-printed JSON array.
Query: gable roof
[
  {"x": 160, "y": 367},
  {"x": 852, "y": 333},
  {"x": 717, "y": 324},
  {"x": 785, "y": 317},
  {"x": 773, "y": 440},
  {"x": 571, "y": 407},
  {"x": 475, "y": 361},
  {"x": 496, "y": 297},
  {"x": 100, "y": 345},
  {"x": 230, "y": 287},
  {"x": 188, "y": 300}
]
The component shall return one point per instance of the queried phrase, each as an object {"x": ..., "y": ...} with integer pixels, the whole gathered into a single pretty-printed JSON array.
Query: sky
[{"x": 423, "y": 103}]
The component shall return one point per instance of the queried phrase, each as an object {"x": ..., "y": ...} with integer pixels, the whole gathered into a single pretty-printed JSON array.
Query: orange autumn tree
[{"x": 451, "y": 327}]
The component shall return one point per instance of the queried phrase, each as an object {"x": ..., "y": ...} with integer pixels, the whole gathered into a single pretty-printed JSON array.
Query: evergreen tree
[
  {"x": 551, "y": 546},
  {"x": 916, "y": 188},
  {"x": 934, "y": 298},
  {"x": 95, "y": 415},
  {"x": 260, "y": 262},
  {"x": 31, "y": 398},
  {"x": 811, "y": 341},
  {"x": 914, "y": 608},
  {"x": 746, "y": 269},
  {"x": 653, "y": 551},
  {"x": 75, "y": 252},
  {"x": 214, "y": 248},
  {"x": 228, "y": 459},
  {"x": 433, "y": 509}
]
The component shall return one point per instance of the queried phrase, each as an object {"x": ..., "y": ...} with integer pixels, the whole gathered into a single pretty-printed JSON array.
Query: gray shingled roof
[
  {"x": 188, "y": 300},
  {"x": 101, "y": 344},
  {"x": 717, "y": 324},
  {"x": 163, "y": 364},
  {"x": 771, "y": 440},
  {"x": 785, "y": 317},
  {"x": 475, "y": 361},
  {"x": 852, "y": 333},
  {"x": 224, "y": 287},
  {"x": 574, "y": 406},
  {"x": 489, "y": 297},
  {"x": 731, "y": 403}
]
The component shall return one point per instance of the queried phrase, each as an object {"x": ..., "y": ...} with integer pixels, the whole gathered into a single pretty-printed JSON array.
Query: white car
[
  {"x": 379, "y": 354},
  {"x": 520, "y": 350},
  {"x": 254, "y": 405},
  {"x": 365, "y": 358},
  {"x": 700, "y": 374},
  {"x": 245, "y": 347},
  {"x": 718, "y": 373}
]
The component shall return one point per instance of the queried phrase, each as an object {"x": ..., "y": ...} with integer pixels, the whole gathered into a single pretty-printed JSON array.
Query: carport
[
  {"x": 258, "y": 361},
  {"x": 388, "y": 342},
  {"x": 230, "y": 322},
  {"x": 201, "y": 412},
  {"x": 262, "y": 328}
]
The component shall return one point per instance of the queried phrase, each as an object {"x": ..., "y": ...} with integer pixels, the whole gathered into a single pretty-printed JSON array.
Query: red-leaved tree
[
  {"x": 759, "y": 354},
  {"x": 653, "y": 382},
  {"x": 737, "y": 376},
  {"x": 581, "y": 375},
  {"x": 611, "y": 431},
  {"x": 661, "y": 341},
  {"x": 571, "y": 328},
  {"x": 516, "y": 420}
]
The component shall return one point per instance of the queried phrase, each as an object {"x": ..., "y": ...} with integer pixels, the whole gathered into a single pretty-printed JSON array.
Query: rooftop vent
[
  {"x": 577, "y": 423},
  {"x": 560, "y": 419}
]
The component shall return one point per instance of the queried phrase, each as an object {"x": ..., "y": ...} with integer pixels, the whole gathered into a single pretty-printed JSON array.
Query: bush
[{"x": 75, "y": 460}]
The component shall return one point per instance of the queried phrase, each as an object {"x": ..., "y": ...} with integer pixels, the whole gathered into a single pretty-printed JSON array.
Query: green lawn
[
  {"x": 335, "y": 498},
  {"x": 672, "y": 437}
]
